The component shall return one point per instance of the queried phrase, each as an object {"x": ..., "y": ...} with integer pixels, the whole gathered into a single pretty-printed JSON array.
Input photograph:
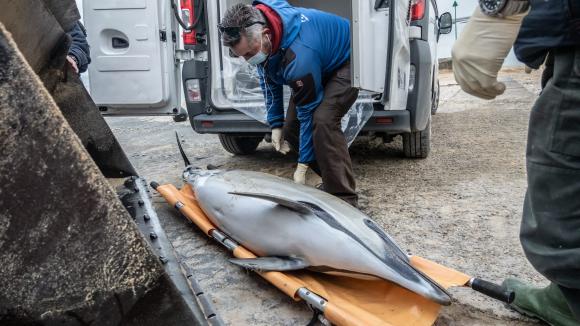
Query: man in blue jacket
[
  {"x": 309, "y": 50},
  {"x": 550, "y": 228}
]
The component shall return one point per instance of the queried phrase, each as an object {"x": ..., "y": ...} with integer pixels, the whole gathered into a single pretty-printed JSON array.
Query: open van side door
[
  {"x": 380, "y": 49},
  {"x": 133, "y": 70}
]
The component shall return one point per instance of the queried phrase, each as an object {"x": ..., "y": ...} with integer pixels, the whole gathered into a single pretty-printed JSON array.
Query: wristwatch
[{"x": 503, "y": 8}]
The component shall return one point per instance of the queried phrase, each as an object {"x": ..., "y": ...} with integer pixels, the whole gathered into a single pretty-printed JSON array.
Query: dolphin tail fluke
[
  {"x": 185, "y": 159},
  {"x": 271, "y": 263}
]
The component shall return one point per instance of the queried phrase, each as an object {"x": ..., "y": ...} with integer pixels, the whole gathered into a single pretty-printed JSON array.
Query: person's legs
[
  {"x": 333, "y": 161},
  {"x": 550, "y": 229}
]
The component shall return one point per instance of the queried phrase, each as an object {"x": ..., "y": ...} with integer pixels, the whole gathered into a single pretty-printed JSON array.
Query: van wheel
[
  {"x": 239, "y": 145},
  {"x": 180, "y": 117},
  {"x": 435, "y": 99},
  {"x": 418, "y": 143}
]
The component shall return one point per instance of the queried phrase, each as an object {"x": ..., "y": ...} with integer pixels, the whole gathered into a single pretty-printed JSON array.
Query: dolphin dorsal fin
[{"x": 288, "y": 203}]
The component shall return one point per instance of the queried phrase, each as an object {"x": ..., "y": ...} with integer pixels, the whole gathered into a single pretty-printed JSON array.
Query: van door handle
[{"x": 119, "y": 43}]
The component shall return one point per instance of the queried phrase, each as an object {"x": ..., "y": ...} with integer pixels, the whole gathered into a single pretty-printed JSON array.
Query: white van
[{"x": 139, "y": 48}]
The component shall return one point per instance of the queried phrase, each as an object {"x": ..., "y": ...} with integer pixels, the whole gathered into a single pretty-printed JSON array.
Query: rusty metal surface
[
  {"x": 136, "y": 198},
  {"x": 38, "y": 28},
  {"x": 69, "y": 251},
  {"x": 85, "y": 119},
  {"x": 34, "y": 26}
]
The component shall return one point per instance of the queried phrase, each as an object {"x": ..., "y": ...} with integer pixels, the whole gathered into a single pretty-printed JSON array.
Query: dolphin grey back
[{"x": 292, "y": 226}]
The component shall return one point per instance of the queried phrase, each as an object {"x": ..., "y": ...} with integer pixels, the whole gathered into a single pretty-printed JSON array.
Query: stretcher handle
[{"x": 492, "y": 290}]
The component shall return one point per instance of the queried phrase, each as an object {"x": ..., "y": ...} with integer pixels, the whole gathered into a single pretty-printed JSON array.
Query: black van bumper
[{"x": 391, "y": 122}]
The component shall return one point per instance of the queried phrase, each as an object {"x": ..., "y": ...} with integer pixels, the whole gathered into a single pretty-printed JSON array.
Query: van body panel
[{"x": 134, "y": 70}]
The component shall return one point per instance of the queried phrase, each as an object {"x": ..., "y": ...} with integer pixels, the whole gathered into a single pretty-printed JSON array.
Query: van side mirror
[{"x": 445, "y": 23}]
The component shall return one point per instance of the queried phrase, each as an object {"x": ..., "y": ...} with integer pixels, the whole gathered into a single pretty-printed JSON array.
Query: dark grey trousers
[
  {"x": 550, "y": 229},
  {"x": 333, "y": 162}
]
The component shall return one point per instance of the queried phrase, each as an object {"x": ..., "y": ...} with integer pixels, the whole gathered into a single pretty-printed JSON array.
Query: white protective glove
[
  {"x": 300, "y": 173},
  {"x": 479, "y": 53},
  {"x": 278, "y": 141}
]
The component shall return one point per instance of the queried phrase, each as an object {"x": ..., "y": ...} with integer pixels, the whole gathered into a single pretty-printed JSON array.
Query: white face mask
[{"x": 260, "y": 56}]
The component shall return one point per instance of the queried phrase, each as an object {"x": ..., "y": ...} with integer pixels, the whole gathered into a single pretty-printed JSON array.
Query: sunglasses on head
[{"x": 234, "y": 31}]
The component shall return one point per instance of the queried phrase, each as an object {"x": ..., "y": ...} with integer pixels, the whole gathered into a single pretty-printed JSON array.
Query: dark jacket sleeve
[
  {"x": 535, "y": 40},
  {"x": 79, "y": 48},
  {"x": 304, "y": 76},
  {"x": 274, "y": 95}
]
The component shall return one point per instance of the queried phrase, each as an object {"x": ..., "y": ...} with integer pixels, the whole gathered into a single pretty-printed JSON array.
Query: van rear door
[
  {"x": 134, "y": 70},
  {"x": 380, "y": 49}
]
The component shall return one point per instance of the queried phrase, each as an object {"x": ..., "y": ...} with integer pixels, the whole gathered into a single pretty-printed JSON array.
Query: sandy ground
[{"x": 460, "y": 207}]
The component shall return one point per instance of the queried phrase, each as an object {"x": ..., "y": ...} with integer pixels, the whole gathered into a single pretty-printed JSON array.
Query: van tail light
[
  {"x": 187, "y": 15},
  {"x": 417, "y": 9},
  {"x": 384, "y": 120},
  {"x": 193, "y": 91}
]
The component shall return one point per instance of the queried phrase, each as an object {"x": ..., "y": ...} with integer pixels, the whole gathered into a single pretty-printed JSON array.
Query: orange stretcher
[{"x": 343, "y": 300}]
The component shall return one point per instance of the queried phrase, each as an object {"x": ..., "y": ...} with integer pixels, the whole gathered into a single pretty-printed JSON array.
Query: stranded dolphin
[{"x": 293, "y": 227}]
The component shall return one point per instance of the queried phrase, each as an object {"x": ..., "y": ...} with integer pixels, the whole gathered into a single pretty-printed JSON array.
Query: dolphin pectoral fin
[
  {"x": 288, "y": 203},
  {"x": 271, "y": 263}
]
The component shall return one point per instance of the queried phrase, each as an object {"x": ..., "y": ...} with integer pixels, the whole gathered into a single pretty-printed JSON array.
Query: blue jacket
[
  {"x": 549, "y": 24},
  {"x": 314, "y": 45},
  {"x": 79, "y": 47}
]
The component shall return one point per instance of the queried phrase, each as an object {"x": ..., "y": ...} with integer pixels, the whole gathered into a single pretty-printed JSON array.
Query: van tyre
[
  {"x": 435, "y": 98},
  {"x": 180, "y": 117},
  {"x": 418, "y": 143},
  {"x": 240, "y": 145}
]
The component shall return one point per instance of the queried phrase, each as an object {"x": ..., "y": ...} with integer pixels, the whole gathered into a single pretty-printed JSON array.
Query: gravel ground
[{"x": 460, "y": 207}]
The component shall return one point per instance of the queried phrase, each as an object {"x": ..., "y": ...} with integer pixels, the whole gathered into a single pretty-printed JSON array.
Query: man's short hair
[{"x": 240, "y": 15}]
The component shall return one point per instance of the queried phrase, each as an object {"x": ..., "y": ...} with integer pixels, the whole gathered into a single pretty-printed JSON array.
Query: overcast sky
[{"x": 464, "y": 9}]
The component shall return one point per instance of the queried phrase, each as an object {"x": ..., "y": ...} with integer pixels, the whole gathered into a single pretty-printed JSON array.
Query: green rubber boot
[{"x": 547, "y": 304}]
